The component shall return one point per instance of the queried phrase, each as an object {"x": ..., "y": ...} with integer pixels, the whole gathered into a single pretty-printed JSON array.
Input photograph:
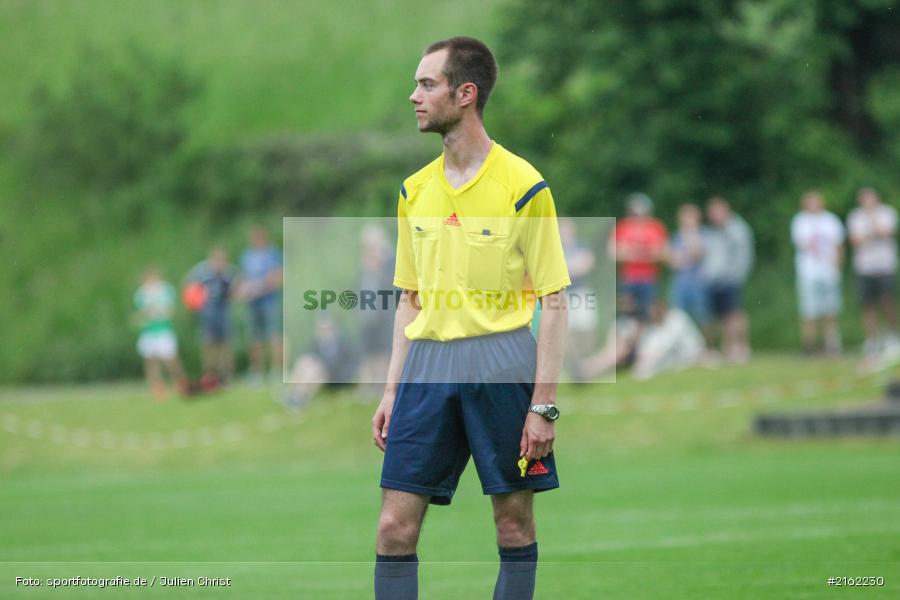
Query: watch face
[{"x": 552, "y": 413}]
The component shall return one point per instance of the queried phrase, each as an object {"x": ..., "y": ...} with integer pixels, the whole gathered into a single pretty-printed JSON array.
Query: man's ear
[{"x": 467, "y": 93}]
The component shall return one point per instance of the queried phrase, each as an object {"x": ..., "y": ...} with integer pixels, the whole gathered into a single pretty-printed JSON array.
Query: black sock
[
  {"x": 396, "y": 577},
  {"x": 517, "y": 570}
]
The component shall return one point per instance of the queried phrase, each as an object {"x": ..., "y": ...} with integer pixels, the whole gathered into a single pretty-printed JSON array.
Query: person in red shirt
[{"x": 639, "y": 243}]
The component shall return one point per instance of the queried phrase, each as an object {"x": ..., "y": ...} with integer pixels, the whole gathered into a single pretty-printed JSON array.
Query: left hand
[{"x": 537, "y": 437}]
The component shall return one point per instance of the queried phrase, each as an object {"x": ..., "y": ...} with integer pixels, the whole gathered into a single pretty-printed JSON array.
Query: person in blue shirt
[
  {"x": 686, "y": 253},
  {"x": 217, "y": 276},
  {"x": 261, "y": 279}
]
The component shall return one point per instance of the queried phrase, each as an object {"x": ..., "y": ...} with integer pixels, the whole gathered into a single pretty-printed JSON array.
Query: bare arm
[
  {"x": 274, "y": 280},
  {"x": 551, "y": 346},
  {"x": 538, "y": 433},
  {"x": 620, "y": 251},
  {"x": 407, "y": 310},
  {"x": 674, "y": 258}
]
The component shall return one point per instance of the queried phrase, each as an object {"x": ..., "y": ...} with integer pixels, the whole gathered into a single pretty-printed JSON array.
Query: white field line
[
  {"x": 765, "y": 394},
  {"x": 731, "y": 537},
  {"x": 641, "y": 515},
  {"x": 234, "y": 432}
]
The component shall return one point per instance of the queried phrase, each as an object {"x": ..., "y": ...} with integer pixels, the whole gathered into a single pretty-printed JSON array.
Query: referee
[{"x": 478, "y": 245}]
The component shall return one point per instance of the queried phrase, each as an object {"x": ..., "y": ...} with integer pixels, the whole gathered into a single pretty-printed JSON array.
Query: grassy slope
[
  {"x": 658, "y": 501},
  {"x": 271, "y": 65}
]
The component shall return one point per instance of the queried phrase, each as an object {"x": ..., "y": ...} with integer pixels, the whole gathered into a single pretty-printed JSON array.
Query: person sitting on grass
[
  {"x": 669, "y": 341},
  {"x": 157, "y": 345},
  {"x": 618, "y": 352},
  {"x": 330, "y": 360}
]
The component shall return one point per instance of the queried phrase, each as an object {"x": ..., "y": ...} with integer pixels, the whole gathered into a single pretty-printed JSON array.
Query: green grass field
[{"x": 666, "y": 494}]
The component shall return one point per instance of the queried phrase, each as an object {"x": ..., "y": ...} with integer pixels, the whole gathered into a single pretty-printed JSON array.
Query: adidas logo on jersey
[{"x": 452, "y": 220}]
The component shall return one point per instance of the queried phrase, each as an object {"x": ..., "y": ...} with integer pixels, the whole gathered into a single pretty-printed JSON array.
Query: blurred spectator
[
  {"x": 619, "y": 349},
  {"x": 582, "y": 303},
  {"x": 376, "y": 326},
  {"x": 260, "y": 287},
  {"x": 818, "y": 237},
  {"x": 330, "y": 361},
  {"x": 685, "y": 256},
  {"x": 873, "y": 233},
  {"x": 217, "y": 276},
  {"x": 726, "y": 266},
  {"x": 155, "y": 302},
  {"x": 638, "y": 243},
  {"x": 669, "y": 341}
]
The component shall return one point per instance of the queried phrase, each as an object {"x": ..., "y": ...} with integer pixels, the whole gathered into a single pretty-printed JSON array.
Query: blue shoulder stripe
[
  {"x": 403, "y": 191},
  {"x": 530, "y": 194}
]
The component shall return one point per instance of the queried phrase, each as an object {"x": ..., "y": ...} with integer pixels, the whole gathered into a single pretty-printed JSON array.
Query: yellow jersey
[{"x": 481, "y": 254}]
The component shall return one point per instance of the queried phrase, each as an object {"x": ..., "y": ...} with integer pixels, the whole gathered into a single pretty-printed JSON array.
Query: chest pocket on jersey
[
  {"x": 486, "y": 261},
  {"x": 425, "y": 249}
]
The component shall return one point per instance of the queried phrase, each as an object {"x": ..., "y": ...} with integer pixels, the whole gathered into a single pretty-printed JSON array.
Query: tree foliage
[{"x": 755, "y": 100}]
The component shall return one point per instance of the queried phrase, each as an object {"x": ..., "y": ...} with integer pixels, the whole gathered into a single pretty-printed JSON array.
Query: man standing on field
[
  {"x": 873, "y": 233},
  {"x": 818, "y": 237},
  {"x": 478, "y": 245}
]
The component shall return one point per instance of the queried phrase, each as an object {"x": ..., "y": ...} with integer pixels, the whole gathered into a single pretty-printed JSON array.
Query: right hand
[{"x": 382, "y": 419}]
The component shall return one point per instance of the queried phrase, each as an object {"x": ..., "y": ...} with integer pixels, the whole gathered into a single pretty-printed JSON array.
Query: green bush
[
  {"x": 115, "y": 120},
  {"x": 756, "y": 101},
  {"x": 300, "y": 176}
]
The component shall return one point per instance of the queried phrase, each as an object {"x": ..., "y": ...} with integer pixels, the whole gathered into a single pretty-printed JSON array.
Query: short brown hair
[{"x": 468, "y": 61}]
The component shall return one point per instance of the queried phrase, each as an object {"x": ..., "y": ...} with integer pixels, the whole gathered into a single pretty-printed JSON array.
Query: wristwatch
[{"x": 548, "y": 411}]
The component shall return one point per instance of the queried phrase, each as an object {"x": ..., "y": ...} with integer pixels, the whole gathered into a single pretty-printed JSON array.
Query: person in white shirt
[
  {"x": 670, "y": 341},
  {"x": 818, "y": 237},
  {"x": 873, "y": 234}
]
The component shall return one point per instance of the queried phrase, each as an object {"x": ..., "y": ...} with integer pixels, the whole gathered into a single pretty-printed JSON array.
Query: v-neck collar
[{"x": 492, "y": 154}]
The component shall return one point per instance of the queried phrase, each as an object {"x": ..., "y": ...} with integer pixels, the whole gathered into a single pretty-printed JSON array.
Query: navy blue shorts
[
  {"x": 214, "y": 325},
  {"x": 874, "y": 289},
  {"x": 724, "y": 298},
  {"x": 464, "y": 398},
  {"x": 265, "y": 318},
  {"x": 642, "y": 292}
]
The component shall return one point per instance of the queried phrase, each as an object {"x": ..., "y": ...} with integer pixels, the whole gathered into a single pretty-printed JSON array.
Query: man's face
[
  {"x": 434, "y": 102},
  {"x": 218, "y": 259},
  {"x": 868, "y": 199},
  {"x": 718, "y": 213},
  {"x": 259, "y": 238},
  {"x": 689, "y": 217},
  {"x": 813, "y": 202}
]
